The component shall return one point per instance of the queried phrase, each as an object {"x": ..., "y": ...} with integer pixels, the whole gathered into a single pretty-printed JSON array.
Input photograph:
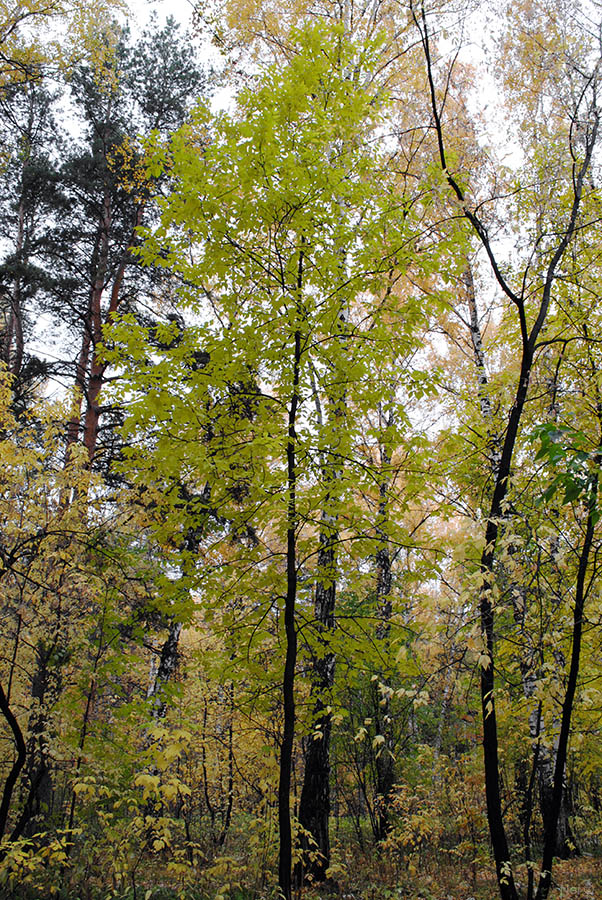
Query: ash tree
[{"x": 287, "y": 229}]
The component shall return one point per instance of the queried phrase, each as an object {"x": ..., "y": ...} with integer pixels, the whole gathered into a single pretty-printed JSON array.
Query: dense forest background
[{"x": 300, "y": 450}]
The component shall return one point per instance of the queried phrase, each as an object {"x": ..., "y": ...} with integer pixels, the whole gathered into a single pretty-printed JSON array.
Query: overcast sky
[{"x": 141, "y": 10}]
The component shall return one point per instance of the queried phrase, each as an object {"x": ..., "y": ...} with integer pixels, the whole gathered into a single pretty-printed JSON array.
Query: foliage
[{"x": 327, "y": 347}]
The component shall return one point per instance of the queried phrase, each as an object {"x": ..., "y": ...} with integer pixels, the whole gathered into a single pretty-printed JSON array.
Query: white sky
[{"x": 140, "y": 10}]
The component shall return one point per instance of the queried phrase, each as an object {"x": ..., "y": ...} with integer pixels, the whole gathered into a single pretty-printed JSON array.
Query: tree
[
  {"x": 555, "y": 228},
  {"x": 142, "y": 88},
  {"x": 29, "y": 177},
  {"x": 271, "y": 243},
  {"x": 59, "y": 605},
  {"x": 74, "y": 225},
  {"x": 29, "y": 47}
]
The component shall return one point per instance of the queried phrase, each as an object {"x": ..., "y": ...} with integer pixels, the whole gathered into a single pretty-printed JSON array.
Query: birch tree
[{"x": 531, "y": 293}]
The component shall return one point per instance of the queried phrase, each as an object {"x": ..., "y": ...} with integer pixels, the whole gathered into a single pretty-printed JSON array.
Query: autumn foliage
[{"x": 300, "y": 445}]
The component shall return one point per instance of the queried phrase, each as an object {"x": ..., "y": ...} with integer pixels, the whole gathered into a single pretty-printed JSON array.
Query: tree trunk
[
  {"x": 385, "y": 763},
  {"x": 45, "y": 689},
  {"x": 314, "y": 805},
  {"x": 163, "y": 671},
  {"x": 290, "y": 628},
  {"x": 550, "y": 836},
  {"x": 17, "y": 765}
]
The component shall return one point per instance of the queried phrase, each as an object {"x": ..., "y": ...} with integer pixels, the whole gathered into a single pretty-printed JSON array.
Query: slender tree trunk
[
  {"x": 17, "y": 304},
  {"x": 314, "y": 806},
  {"x": 493, "y": 442},
  {"x": 95, "y": 376},
  {"x": 226, "y": 812},
  {"x": 81, "y": 380},
  {"x": 17, "y": 765},
  {"x": 493, "y": 792},
  {"x": 290, "y": 629},
  {"x": 551, "y": 825},
  {"x": 543, "y": 774},
  {"x": 385, "y": 763},
  {"x": 13, "y": 345},
  {"x": 74, "y": 424}
]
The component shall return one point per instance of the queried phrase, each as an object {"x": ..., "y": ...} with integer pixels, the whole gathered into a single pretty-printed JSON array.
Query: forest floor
[
  {"x": 574, "y": 879},
  {"x": 365, "y": 875},
  {"x": 580, "y": 879}
]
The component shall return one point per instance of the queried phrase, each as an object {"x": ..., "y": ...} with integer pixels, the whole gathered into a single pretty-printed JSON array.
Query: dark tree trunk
[
  {"x": 17, "y": 765},
  {"x": 45, "y": 688},
  {"x": 385, "y": 763},
  {"x": 550, "y": 836},
  {"x": 164, "y": 671},
  {"x": 285, "y": 857},
  {"x": 314, "y": 805}
]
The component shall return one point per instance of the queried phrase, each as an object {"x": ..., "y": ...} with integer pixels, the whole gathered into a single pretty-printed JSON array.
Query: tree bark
[
  {"x": 164, "y": 671},
  {"x": 290, "y": 628},
  {"x": 314, "y": 805},
  {"x": 385, "y": 763},
  {"x": 17, "y": 765}
]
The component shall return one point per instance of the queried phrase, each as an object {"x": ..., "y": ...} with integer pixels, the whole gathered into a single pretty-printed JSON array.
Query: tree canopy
[{"x": 301, "y": 427}]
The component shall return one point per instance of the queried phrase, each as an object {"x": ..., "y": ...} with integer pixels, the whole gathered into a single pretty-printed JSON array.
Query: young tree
[
  {"x": 287, "y": 260},
  {"x": 553, "y": 226}
]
